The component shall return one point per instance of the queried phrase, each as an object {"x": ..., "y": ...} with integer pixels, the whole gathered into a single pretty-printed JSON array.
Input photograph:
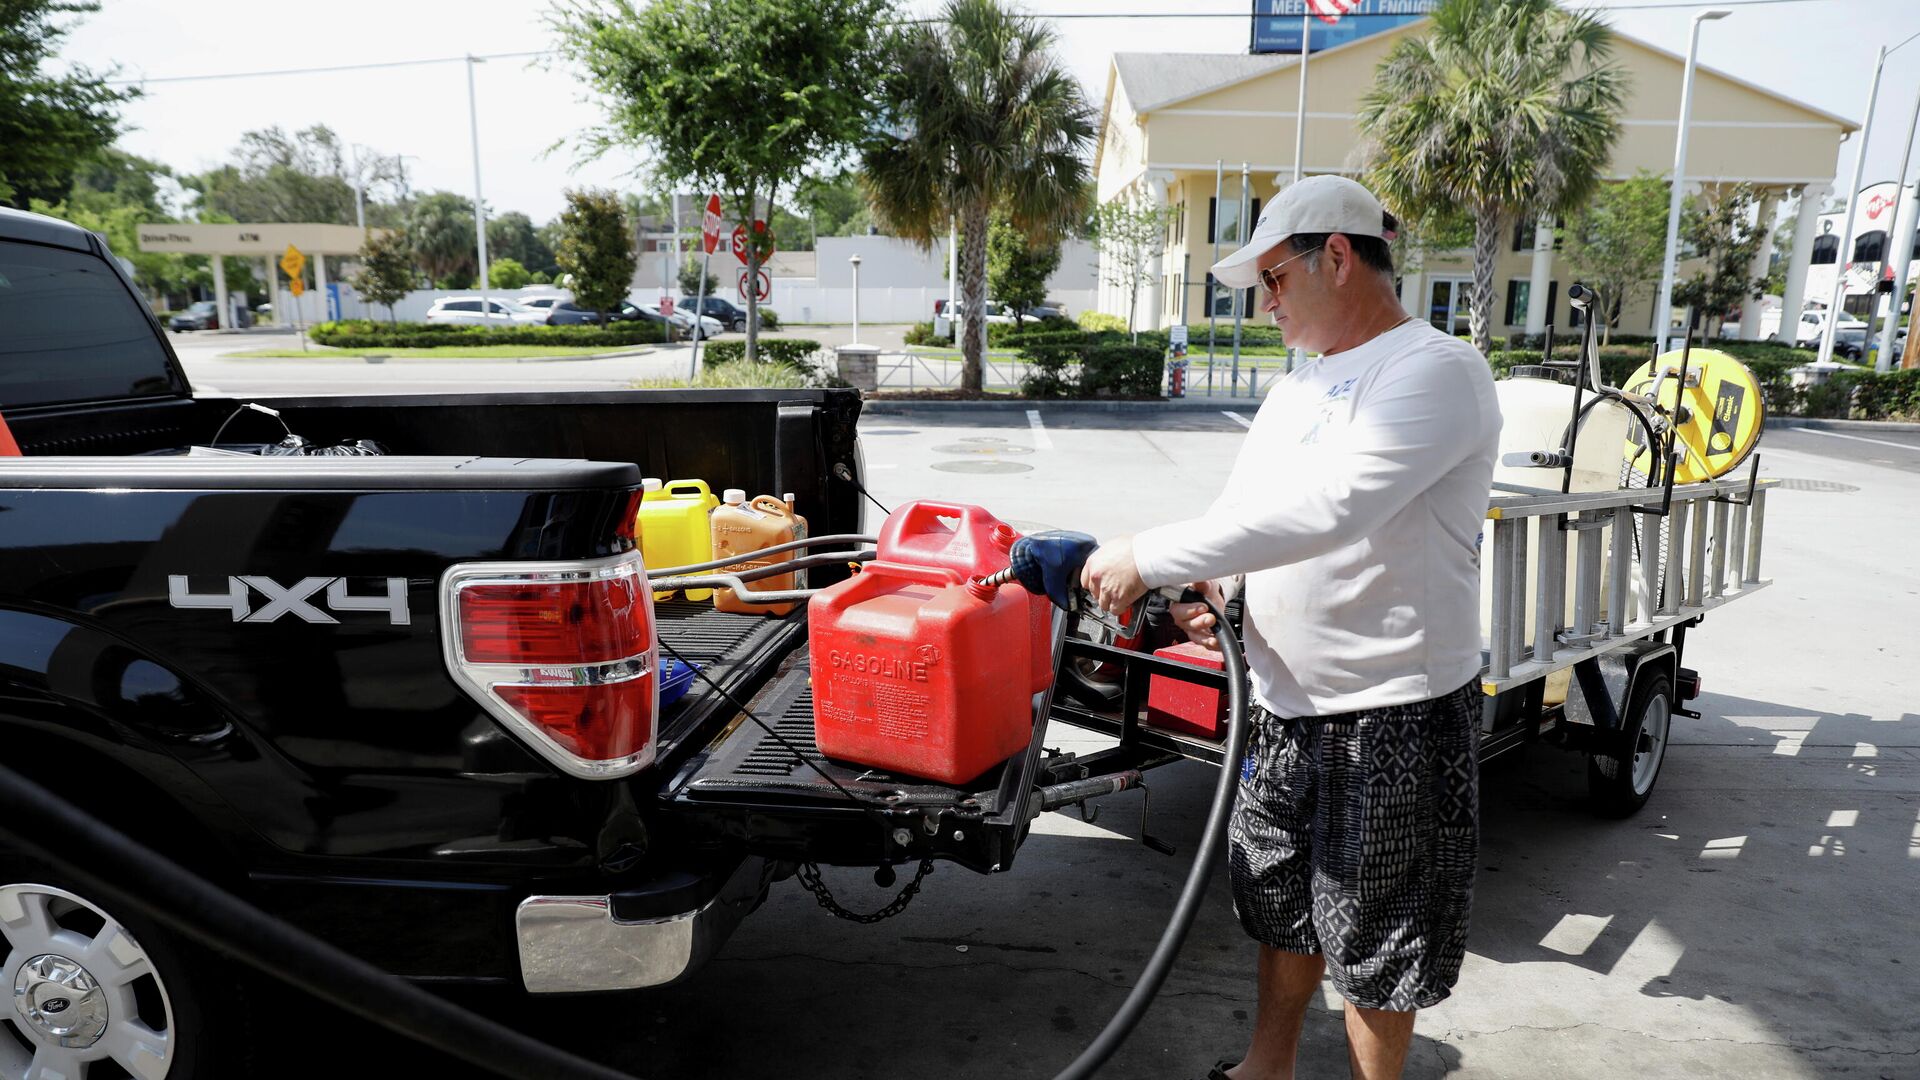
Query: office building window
[
  {"x": 1223, "y": 220},
  {"x": 1826, "y": 250},
  {"x": 1870, "y": 246},
  {"x": 1523, "y": 235},
  {"x": 1517, "y": 301}
]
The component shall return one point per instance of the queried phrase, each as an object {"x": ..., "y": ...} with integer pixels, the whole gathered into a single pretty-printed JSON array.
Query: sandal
[{"x": 1219, "y": 1070}]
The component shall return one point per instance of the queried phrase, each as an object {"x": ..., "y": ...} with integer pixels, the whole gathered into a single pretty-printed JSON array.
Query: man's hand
[
  {"x": 1196, "y": 619},
  {"x": 1111, "y": 578}
]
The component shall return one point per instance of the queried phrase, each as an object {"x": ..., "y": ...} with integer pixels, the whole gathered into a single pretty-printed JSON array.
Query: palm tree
[
  {"x": 1507, "y": 108},
  {"x": 978, "y": 115}
]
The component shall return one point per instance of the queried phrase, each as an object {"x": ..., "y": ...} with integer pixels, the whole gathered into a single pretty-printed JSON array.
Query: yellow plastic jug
[
  {"x": 673, "y": 529},
  {"x": 740, "y": 527}
]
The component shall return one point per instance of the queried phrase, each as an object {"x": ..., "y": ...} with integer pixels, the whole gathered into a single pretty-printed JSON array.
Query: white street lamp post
[
  {"x": 1663, "y": 303},
  {"x": 479, "y": 206},
  {"x": 855, "y": 260},
  {"x": 1835, "y": 299}
]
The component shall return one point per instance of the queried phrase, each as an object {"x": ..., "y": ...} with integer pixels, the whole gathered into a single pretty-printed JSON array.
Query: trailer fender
[{"x": 1607, "y": 684}]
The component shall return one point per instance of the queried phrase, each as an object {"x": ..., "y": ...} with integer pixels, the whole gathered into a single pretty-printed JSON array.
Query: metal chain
[{"x": 810, "y": 878}]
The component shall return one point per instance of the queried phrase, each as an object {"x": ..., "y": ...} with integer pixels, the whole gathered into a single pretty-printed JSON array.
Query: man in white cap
[{"x": 1351, "y": 525}]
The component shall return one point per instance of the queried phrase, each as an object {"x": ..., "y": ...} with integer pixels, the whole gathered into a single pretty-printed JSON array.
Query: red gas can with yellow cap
[
  {"x": 968, "y": 539},
  {"x": 909, "y": 672}
]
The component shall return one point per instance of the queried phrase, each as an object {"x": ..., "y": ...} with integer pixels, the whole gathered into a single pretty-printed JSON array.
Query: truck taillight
[{"x": 562, "y": 653}]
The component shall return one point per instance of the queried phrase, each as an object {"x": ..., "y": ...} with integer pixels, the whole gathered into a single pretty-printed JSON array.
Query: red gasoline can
[
  {"x": 909, "y": 672},
  {"x": 1184, "y": 707},
  {"x": 967, "y": 539}
]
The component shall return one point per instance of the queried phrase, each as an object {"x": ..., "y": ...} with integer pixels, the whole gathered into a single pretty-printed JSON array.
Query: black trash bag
[{"x": 299, "y": 446}]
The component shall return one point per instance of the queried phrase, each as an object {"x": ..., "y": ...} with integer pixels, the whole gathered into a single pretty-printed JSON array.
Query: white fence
[{"x": 1005, "y": 370}]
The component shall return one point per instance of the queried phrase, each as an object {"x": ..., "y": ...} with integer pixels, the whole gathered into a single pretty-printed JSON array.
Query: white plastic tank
[{"x": 1535, "y": 408}]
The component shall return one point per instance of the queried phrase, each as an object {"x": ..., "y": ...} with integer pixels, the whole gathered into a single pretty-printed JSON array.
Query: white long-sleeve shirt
[{"x": 1354, "y": 510}]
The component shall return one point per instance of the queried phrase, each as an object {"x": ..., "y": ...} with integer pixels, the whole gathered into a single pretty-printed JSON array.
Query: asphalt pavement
[{"x": 1753, "y": 921}]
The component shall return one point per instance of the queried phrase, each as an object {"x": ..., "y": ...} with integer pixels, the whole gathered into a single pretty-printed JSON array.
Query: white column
[
  {"x": 220, "y": 292},
  {"x": 1805, "y": 226},
  {"x": 1541, "y": 276},
  {"x": 1764, "y": 214},
  {"x": 1410, "y": 282},
  {"x": 320, "y": 286}
]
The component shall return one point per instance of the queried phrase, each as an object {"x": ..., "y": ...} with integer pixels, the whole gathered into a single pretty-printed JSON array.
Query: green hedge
[
  {"x": 1064, "y": 363},
  {"x": 1121, "y": 371},
  {"x": 922, "y": 334},
  {"x": 366, "y": 334},
  {"x": 794, "y": 352}
]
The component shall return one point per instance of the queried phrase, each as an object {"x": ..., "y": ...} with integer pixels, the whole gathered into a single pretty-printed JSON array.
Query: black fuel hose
[
  {"x": 1212, "y": 839},
  {"x": 187, "y": 904}
]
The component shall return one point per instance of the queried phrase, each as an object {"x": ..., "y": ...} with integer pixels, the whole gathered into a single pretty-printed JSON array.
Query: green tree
[
  {"x": 690, "y": 274},
  {"x": 1129, "y": 233},
  {"x": 977, "y": 113},
  {"x": 49, "y": 123},
  {"x": 1617, "y": 241},
  {"x": 441, "y": 228},
  {"x": 512, "y": 236},
  {"x": 596, "y": 249},
  {"x": 738, "y": 96},
  {"x": 834, "y": 205},
  {"x": 1505, "y": 108},
  {"x": 1717, "y": 229},
  {"x": 386, "y": 272},
  {"x": 507, "y": 274},
  {"x": 1018, "y": 268}
]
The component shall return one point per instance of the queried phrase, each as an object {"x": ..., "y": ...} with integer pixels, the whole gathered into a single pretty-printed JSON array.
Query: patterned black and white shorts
[{"x": 1355, "y": 835}]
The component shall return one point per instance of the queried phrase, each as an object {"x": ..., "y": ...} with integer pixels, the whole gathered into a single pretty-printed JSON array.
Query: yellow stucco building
[{"x": 1171, "y": 119}]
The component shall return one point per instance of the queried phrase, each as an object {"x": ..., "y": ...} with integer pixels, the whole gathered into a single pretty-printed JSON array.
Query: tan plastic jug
[{"x": 740, "y": 527}]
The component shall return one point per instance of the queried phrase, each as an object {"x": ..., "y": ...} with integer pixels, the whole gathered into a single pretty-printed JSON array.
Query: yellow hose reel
[{"x": 1727, "y": 413}]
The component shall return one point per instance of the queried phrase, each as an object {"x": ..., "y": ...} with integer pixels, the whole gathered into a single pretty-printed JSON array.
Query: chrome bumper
[{"x": 575, "y": 944}]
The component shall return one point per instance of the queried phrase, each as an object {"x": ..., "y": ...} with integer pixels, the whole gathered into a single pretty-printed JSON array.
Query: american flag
[{"x": 1329, "y": 11}]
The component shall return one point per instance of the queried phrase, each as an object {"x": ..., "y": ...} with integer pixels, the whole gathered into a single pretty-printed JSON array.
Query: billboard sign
[{"x": 1276, "y": 23}]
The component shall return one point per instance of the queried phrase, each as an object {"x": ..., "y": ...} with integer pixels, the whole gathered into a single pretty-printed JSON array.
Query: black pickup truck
[{"x": 325, "y": 683}]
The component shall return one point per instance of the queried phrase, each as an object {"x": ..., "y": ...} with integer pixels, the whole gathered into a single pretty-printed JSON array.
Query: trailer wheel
[{"x": 1619, "y": 784}]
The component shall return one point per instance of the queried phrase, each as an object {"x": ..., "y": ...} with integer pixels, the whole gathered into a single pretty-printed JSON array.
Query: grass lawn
[{"x": 440, "y": 352}]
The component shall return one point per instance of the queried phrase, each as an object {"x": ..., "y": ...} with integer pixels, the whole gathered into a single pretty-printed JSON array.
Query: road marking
[
  {"x": 1237, "y": 418},
  {"x": 1859, "y": 438},
  {"x": 1041, "y": 440}
]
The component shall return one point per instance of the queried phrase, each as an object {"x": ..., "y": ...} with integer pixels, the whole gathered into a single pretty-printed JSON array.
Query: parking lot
[{"x": 1752, "y": 921}]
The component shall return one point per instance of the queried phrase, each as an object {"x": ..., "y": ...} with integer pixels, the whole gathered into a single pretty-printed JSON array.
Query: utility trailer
[{"x": 1669, "y": 559}]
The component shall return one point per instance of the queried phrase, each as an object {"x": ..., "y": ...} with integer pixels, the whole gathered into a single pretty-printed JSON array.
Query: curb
[
  {"x": 894, "y": 406},
  {"x": 1898, "y": 427},
  {"x": 334, "y": 357}
]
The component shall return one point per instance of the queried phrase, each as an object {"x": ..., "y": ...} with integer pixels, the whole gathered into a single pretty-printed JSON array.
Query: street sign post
[
  {"x": 709, "y": 239},
  {"x": 763, "y": 286},
  {"x": 294, "y": 262}
]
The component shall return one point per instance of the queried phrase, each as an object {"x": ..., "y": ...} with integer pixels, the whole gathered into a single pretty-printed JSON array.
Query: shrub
[
  {"x": 365, "y": 334},
  {"x": 769, "y": 318},
  {"x": 922, "y": 334},
  {"x": 736, "y": 374},
  {"x": 1094, "y": 320},
  {"x": 801, "y": 353},
  {"x": 1121, "y": 371},
  {"x": 1045, "y": 338}
]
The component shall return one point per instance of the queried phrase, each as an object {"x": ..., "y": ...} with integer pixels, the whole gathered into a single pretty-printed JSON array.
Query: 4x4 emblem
[{"x": 290, "y": 599}]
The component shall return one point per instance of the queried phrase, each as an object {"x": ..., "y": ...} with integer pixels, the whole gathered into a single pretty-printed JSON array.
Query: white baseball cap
[{"x": 1316, "y": 204}]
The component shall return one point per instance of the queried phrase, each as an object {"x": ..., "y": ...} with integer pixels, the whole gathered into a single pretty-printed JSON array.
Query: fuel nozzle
[{"x": 1048, "y": 564}]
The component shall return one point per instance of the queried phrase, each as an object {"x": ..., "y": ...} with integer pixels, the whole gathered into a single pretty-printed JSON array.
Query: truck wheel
[
  {"x": 91, "y": 994},
  {"x": 1619, "y": 784}
]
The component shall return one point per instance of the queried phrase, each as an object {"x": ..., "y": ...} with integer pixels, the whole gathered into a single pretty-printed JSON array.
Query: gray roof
[{"x": 1155, "y": 80}]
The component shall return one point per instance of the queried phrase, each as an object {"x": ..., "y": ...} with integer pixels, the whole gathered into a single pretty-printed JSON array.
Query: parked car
[
  {"x": 731, "y": 315},
  {"x": 1814, "y": 323},
  {"x": 203, "y": 315},
  {"x": 1852, "y": 342},
  {"x": 996, "y": 311},
  {"x": 683, "y": 320},
  {"x": 466, "y": 311}
]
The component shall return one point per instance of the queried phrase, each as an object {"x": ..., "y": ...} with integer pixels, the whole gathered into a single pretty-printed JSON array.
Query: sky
[{"x": 1817, "y": 51}]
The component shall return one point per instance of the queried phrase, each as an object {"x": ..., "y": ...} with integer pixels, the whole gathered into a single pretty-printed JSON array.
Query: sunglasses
[{"x": 1268, "y": 279}]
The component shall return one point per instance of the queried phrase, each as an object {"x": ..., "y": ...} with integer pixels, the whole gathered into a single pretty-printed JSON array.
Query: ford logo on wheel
[{"x": 55, "y": 1005}]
